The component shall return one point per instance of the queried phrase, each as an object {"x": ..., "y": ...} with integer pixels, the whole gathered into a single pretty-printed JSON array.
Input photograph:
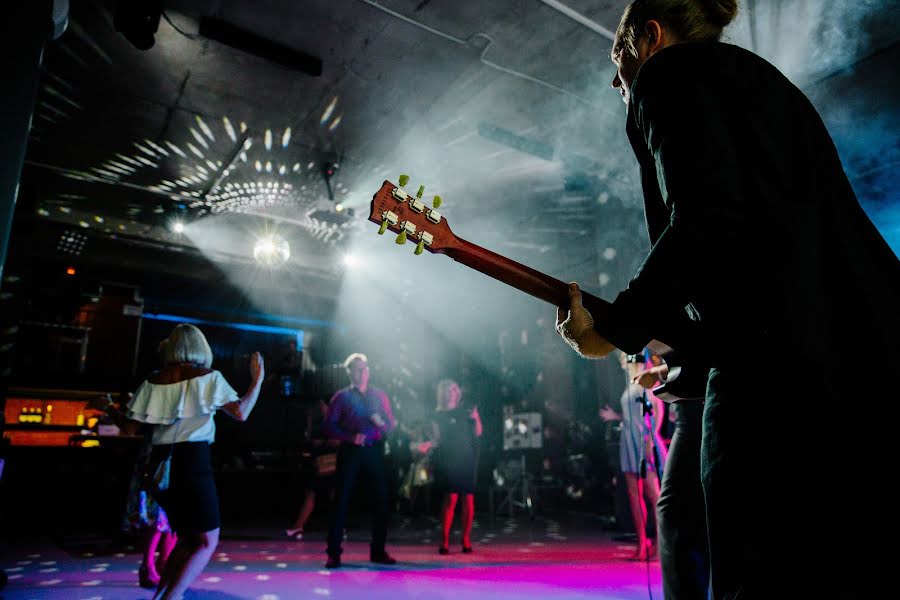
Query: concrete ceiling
[{"x": 501, "y": 107}]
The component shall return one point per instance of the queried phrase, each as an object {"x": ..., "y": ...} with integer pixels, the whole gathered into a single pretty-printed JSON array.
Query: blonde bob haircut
[
  {"x": 353, "y": 358},
  {"x": 187, "y": 344},
  {"x": 442, "y": 386}
]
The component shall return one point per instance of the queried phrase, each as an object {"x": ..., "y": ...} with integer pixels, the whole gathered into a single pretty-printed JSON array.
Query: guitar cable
[
  {"x": 646, "y": 410},
  {"x": 647, "y": 415}
]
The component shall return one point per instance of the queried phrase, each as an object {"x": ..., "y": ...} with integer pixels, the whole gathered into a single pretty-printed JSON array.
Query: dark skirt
[
  {"x": 322, "y": 483},
  {"x": 456, "y": 472},
  {"x": 191, "y": 500}
]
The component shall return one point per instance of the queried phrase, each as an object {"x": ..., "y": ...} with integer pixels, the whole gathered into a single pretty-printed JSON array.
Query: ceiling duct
[{"x": 231, "y": 35}]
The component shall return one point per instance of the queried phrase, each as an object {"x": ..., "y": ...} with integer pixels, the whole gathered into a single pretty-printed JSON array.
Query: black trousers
[
  {"x": 793, "y": 477},
  {"x": 351, "y": 462},
  {"x": 681, "y": 514}
]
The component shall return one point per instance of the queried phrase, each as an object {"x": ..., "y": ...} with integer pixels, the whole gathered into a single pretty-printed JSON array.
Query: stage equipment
[
  {"x": 138, "y": 21},
  {"x": 522, "y": 431}
]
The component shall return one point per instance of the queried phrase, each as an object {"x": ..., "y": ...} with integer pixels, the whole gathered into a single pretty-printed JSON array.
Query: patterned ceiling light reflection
[
  {"x": 328, "y": 111},
  {"x": 221, "y": 165},
  {"x": 242, "y": 197}
]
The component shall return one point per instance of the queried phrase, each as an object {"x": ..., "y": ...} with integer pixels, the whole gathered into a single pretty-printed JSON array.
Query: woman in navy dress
[{"x": 455, "y": 459}]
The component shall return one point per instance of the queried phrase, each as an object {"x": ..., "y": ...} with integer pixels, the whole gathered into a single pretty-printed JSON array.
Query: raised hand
[
  {"x": 608, "y": 414},
  {"x": 257, "y": 366}
]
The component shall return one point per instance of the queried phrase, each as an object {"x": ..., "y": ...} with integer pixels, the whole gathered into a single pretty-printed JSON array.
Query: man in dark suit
[{"x": 765, "y": 270}]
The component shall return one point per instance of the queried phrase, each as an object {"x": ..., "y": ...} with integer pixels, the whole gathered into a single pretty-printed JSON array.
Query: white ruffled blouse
[{"x": 182, "y": 411}]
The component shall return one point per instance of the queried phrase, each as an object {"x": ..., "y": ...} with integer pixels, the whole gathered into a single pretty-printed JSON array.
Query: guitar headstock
[{"x": 407, "y": 215}]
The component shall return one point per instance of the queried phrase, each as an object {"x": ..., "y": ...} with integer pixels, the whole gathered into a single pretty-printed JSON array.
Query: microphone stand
[{"x": 650, "y": 423}]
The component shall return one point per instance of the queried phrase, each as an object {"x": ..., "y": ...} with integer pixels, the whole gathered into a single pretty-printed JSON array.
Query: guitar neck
[{"x": 523, "y": 278}]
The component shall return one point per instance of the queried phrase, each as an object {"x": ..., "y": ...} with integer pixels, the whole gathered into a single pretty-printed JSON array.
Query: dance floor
[{"x": 513, "y": 559}]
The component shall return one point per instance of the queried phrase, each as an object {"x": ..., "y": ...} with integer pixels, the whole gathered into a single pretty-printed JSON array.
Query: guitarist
[{"x": 756, "y": 231}]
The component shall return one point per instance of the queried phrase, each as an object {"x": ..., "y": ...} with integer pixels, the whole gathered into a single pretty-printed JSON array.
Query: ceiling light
[
  {"x": 178, "y": 227},
  {"x": 271, "y": 251}
]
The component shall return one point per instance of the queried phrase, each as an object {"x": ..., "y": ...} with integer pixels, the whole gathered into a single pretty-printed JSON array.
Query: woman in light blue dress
[{"x": 642, "y": 453}]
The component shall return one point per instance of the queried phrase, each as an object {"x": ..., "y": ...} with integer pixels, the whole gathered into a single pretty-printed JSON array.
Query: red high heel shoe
[{"x": 145, "y": 580}]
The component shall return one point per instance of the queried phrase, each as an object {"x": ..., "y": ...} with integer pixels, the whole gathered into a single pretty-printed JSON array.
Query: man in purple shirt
[{"x": 359, "y": 416}]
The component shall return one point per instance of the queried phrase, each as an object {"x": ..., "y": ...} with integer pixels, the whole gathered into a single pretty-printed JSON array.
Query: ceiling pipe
[
  {"x": 490, "y": 42},
  {"x": 580, "y": 18}
]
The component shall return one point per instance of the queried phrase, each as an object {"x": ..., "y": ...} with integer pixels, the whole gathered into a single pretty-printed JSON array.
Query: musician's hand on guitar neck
[{"x": 576, "y": 326}]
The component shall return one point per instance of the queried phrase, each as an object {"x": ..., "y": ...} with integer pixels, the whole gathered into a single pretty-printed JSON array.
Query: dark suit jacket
[{"x": 755, "y": 230}]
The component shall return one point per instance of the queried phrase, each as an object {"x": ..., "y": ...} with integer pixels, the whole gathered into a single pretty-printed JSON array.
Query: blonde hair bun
[{"x": 720, "y": 12}]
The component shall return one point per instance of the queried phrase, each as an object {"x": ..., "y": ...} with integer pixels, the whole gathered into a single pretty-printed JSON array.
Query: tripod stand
[{"x": 517, "y": 488}]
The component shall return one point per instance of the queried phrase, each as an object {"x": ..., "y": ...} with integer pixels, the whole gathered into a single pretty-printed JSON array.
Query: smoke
[
  {"x": 809, "y": 39},
  {"x": 842, "y": 54}
]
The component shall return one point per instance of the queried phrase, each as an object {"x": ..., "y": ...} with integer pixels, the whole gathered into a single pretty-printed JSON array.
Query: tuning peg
[
  {"x": 404, "y": 179},
  {"x": 420, "y": 192},
  {"x": 437, "y": 202},
  {"x": 401, "y": 239},
  {"x": 420, "y": 247},
  {"x": 383, "y": 228}
]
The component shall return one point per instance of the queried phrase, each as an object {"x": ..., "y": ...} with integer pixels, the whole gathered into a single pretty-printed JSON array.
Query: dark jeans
[
  {"x": 794, "y": 500},
  {"x": 681, "y": 515},
  {"x": 351, "y": 461}
]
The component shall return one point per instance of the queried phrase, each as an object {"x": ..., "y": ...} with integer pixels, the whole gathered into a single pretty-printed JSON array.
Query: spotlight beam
[{"x": 221, "y": 174}]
